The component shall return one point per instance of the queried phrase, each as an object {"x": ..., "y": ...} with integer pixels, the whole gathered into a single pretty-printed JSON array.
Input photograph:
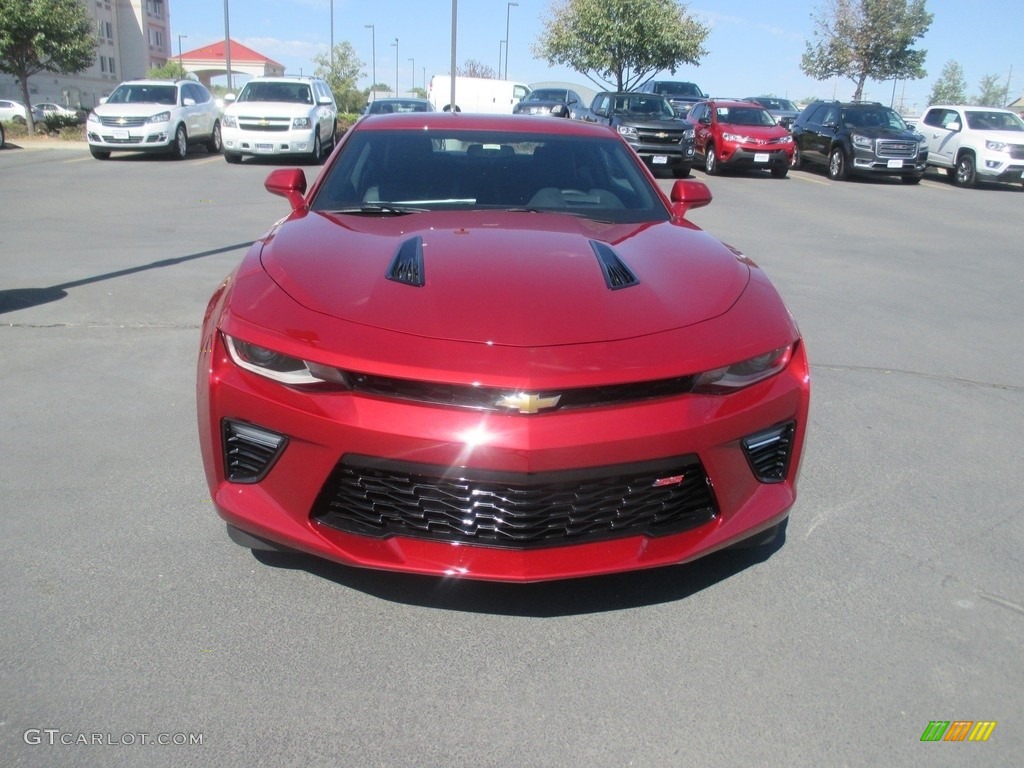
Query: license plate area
[
  {"x": 264, "y": 147},
  {"x": 660, "y": 160},
  {"x": 895, "y": 164},
  {"x": 761, "y": 157},
  {"x": 121, "y": 134}
]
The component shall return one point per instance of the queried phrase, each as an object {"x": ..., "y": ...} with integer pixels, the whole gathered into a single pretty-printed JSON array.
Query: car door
[
  {"x": 941, "y": 129},
  {"x": 700, "y": 118},
  {"x": 820, "y": 132}
]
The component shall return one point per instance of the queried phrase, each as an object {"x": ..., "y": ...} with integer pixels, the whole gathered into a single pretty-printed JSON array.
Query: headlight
[
  {"x": 864, "y": 142},
  {"x": 93, "y": 118},
  {"x": 735, "y": 137},
  {"x": 739, "y": 375},
  {"x": 628, "y": 132},
  {"x": 786, "y": 140},
  {"x": 163, "y": 117},
  {"x": 689, "y": 133},
  {"x": 229, "y": 121},
  {"x": 301, "y": 122},
  {"x": 996, "y": 146},
  {"x": 283, "y": 368}
]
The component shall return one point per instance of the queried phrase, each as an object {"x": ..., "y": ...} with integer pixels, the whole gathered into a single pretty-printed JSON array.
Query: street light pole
[
  {"x": 332, "y": 36},
  {"x": 373, "y": 58},
  {"x": 508, "y": 11},
  {"x": 413, "y": 73},
  {"x": 227, "y": 43},
  {"x": 501, "y": 46},
  {"x": 397, "y": 65},
  {"x": 180, "y": 65}
]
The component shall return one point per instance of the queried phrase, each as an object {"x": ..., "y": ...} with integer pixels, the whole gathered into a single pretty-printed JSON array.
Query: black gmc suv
[
  {"x": 862, "y": 137},
  {"x": 648, "y": 122}
]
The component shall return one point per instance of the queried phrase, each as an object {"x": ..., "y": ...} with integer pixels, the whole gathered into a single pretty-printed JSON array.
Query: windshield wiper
[{"x": 380, "y": 209}]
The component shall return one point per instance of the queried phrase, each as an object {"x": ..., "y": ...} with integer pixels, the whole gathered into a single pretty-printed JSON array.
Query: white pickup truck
[{"x": 974, "y": 143}]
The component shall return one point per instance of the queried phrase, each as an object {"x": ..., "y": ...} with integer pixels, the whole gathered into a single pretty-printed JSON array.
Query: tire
[
  {"x": 179, "y": 147},
  {"x": 681, "y": 171},
  {"x": 779, "y": 170},
  {"x": 232, "y": 157},
  {"x": 99, "y": 154},
  {"x": 798, "y": 159},
  {"x": 912, "y": 179},
  {"x": 965, "y": 173},
  {"x": 837, "y": 164},
  {"x": 214, "y": 145},
  {"x": 317, "y": 155},
  {"x": 710, "y": 161}
]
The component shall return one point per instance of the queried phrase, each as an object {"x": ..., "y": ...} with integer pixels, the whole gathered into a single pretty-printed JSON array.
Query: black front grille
[
  {"x": 1017, "y": 151},
  {"x": 380, "y": 498},
  {"x": 659, "y": 137}
]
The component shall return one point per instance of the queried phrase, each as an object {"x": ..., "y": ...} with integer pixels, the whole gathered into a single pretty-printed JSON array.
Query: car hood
[
  {"x": 282, "y": 108},
  {"x": 514, "y": 279},
  {"x": 137, "y": 109},
  {"x": 874, "y": 132},
  {"x": 755, "y": 131}
]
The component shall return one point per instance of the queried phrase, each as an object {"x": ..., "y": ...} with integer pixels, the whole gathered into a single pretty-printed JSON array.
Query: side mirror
[
  {"x": 188, "y": 101},
  {"x": 229, "y": 97},
  {"x": 600, "y": 111},
  {"x": 325, "y": 101},
  {"x": 705, "y": 120},
  {"x": 688, "y": 194},
  {"x": 290, "y": 183},
  {"x": 954, "y": 126}
]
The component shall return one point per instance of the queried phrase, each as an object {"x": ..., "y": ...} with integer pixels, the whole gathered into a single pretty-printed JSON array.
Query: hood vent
[
  {"x": 407, "y": 265},
  {"x": 616, "y": 274}
]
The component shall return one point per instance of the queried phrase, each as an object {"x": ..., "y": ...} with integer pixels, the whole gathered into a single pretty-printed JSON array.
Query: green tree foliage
[
  {"x": 342, "y": 76},
  {"x": 861, "y": 39},
  {"x": 620, "y": 44},
  {"x": 951, "y": 87},
  {"x": 990, "y": 92},
  {"x": 44, "y": 36},
  {"x": 172, "y": 70}
]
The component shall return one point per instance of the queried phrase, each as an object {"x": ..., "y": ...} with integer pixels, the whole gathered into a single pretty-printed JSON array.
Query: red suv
[{"x": 740, "y": 134}]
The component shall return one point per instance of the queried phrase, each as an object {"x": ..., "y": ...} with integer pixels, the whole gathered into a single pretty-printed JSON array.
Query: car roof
[{"x": 426, "y": 121}]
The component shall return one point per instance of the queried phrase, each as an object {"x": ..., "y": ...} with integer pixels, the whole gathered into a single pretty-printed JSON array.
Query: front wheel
[
  {"x": 966, "y": 174},
  {"x": 710, "y": 161},
  {"x": 912, "y": 179},
  {"x": 681, "y": 171},
  {"x": 837, "y": 164},
  {"x": 317, "y": 155},
  {"x": 179, "y": 147},
  {"x": 232, "y": 157},
  {"x": 214, "y": 144},
  {"x": 797, "y": 160},
  {"x": 779, "y": 170},
  {"x": 99, "y": 154}
]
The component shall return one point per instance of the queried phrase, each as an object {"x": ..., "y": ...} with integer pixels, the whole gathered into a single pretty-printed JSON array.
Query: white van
[{"x": 476, "y": 94}]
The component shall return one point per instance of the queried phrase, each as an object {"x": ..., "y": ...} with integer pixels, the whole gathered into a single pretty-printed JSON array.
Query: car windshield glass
[
  {"x": 744, "y": 116},
  {"x": 779, "y": 105},
  {"x": 652, "y": 107},
  {"x": 294, "y": 93},
  {"x": 389, "y": 106},
  {"x": 994, "y": 121},
  {"x": 873, "y": 118},
  {"x": 384, "y": 171},
  {"x": 678, "y": 89},
  {"x": 144, "y": 94},
  {"x": 547, "y": 94}
]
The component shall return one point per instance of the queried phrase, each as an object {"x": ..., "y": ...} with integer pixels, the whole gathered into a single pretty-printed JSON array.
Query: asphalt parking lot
[{"x": 130, "y": 619}]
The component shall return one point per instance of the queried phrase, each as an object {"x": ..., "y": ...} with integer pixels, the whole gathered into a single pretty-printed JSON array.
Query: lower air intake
[
  {"x": 769, "y": 451},
  {"x": 249, "y": 451}
]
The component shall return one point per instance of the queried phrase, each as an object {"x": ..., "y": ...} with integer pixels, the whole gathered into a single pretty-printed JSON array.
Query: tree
[
  {"x": 620, "y": 44},
  {"x": 951, "y": 87},
  {"x": 44, "y": 36},
  {"x": 172, "y": 70},
  {"x": 473, "y": 68},
  {"x": 342, "y": 76},
  {"x": 861, "y": 39},
  {"x": 991, "y": 94}
]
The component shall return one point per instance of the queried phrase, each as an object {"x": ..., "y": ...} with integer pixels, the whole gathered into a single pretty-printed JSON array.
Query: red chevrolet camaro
[{"x": 490, "y": 347}]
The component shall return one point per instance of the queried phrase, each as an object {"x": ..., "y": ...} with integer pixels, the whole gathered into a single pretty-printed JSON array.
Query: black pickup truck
[{"x": 648, "y": 122}]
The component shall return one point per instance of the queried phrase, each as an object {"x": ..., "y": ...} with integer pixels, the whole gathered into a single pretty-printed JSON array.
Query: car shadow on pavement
[
  {"x": 15, "y": 299},
  {"x": 570, "y": 597}
]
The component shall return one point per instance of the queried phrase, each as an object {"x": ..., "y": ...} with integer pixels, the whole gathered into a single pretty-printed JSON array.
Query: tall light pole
[
  {"x": 332, "y": 36},
  {"x": 413, "y": 74},
  {"x": 508, "y": 12},
  {"x": 180, "y": 65},
  {"x": 373, "y": 58},
  {"x": 501, "y": 46},
  {"x": 424, "y": 78},
  {"x": 227, "y": 43},
  {"x": 397, "y": 65}
]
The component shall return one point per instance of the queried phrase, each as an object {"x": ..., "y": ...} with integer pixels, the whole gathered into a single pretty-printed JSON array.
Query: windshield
[
  {"x": 679, "y": 89},
  {"x": 144, "y": 94},
  {"x": 744, "y": 116},
  {"x": 389, "y": 106},
  {"x": 293, "y": 93},
  {"x": 398, "y": 171},
  {"x": 548, "y": 94},
  {"x": 994, "y": 121},
  {"x": 643, "y": 105},
  {"x": 873, "y": 118},
  {"x": 779, "y": 105}
]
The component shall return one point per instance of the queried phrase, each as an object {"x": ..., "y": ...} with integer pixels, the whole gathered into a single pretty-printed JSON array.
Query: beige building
[{"x": 133, "y": 36}]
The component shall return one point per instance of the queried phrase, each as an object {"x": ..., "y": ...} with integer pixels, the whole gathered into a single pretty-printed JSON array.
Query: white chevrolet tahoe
[
  {"x": 280, "y": 116},
  {"x": 974, "y": 143}
]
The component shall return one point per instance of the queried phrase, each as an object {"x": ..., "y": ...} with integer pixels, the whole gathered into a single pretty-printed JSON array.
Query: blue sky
[{"x": 755, "y": 47}]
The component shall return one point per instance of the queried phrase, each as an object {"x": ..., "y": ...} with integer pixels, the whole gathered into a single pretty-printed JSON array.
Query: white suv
[
  {"x": 974, "y": 143},
  {"x": 280, "y": 116},
  {"x": 154, "y": 116}
]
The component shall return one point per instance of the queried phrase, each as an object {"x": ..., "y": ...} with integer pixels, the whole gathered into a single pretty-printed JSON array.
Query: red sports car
[{"x": 490, "y": 347}]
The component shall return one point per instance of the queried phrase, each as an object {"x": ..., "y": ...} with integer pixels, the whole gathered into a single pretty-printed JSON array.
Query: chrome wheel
[
  {"x": 837, "y": 164},
  {"x": 966, "y": 174}
]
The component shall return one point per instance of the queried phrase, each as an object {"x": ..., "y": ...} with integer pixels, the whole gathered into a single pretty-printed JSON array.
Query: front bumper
[
  {"x": 665, "y": 156},
  {"x": 869, "y": 163},
  {"x": 290, "y": 142},
  {"x": 755, "y": 157},
  {"x": 156, "y": 137}
]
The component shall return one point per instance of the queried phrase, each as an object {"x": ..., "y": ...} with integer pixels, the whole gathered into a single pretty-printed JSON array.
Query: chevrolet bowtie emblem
[
  {"x": 121, "y": 121},
  {"x": 661, "y": 135},
  {"x": 527, "y": 403}
]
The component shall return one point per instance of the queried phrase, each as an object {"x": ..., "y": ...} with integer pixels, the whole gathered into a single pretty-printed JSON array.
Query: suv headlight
[
  {"x": 689, "y": 133},
  {"x": 628, "y": 132},
  {"x": 997, "y": 146},
  {"x": 301, "y": 122},
  {"x": 229, "y": 121},
  {"x": 735, "y": 137},
  {"x": 864, "y": 142},
  {"x": 93, "y": 118},
  {"x": 283, "y": 368},
  {"x": 162, "y": 117}
]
